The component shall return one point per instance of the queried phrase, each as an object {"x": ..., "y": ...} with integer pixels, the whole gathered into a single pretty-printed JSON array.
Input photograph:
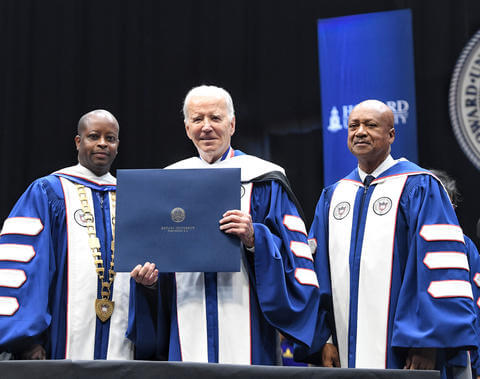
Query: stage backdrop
[
  {"x": 139, "y": 58},
  {"x": 367, "y": 56}
]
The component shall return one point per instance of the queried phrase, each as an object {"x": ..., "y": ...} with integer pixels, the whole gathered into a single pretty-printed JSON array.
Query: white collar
[
  {"x": 385, "y": 165},
  {"x": 83, "y": 172},
  {"x": 228, "y": 154}
]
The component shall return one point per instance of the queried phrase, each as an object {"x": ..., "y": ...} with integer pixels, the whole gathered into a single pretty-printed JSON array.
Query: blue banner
[{"x": 367, "y": 56}]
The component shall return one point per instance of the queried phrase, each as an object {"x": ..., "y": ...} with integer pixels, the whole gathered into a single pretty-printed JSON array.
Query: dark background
[{"x": 138, "y": 58}]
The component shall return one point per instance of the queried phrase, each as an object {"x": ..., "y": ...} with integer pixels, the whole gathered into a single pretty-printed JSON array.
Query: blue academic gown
[
  {"x": 474, "y": 261},
  {"x": 277, "y": 299},
  {"x": 420, "y": 307},
  {"x": 42, "y": 298}
]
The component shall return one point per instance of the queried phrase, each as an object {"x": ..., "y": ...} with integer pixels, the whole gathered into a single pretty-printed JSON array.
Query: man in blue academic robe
[
  {"x": 59, "y": 296},
  {"x": 391, "y": 260},
  {"x": 231, "y": 317}
]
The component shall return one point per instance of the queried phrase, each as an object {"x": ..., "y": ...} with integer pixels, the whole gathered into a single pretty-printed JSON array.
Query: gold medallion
[{"x": 104, "y": 308}]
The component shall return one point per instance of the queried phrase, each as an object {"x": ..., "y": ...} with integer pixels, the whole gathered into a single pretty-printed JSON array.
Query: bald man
[
  {"x": 59, "y": 295},
  {"x": 390, "y": 259}
]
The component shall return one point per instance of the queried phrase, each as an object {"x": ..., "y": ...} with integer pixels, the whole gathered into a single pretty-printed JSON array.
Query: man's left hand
[
  {"x": 421, "y": 359},
  {"x": 239, "y": 224}
]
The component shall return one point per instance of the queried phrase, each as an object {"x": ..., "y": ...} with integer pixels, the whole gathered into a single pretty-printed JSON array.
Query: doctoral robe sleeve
[
  {"x": 141, "y": 323},
  {"x": 27, "y": 264},
  {"x": 149, "y": 318},
  {"x": 285, "y": 280},
  {"x": 435, "y": 307},
  {"x": 474, "y": 261}
]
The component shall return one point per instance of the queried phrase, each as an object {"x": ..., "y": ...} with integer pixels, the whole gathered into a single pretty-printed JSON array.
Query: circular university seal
[
  {"x": 177, "y": 214},
  {"x": 242, "y": 191},
  {"x": 464, "y": 100},
  {"x": 341, "y": 210},
  {"x": 79, "y": 219},
  {"x": 382, "y": 206}
]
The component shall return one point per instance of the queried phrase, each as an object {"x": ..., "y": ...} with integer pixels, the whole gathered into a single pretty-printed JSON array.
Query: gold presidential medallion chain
[{"x": 104, "y": 306}]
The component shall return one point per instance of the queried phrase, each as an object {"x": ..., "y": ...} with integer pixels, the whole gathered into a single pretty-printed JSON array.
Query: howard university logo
[
  {"x": 382, "y": 206},
  {"x": 338, "y": 118},
  {"x": 341, "y": 210},
  {"x": 80, "y": 218},
  {"x": 464, "y": 99},
  {"x": 177, "y": 214}
]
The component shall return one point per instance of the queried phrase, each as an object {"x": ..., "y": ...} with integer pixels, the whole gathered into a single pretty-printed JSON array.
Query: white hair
[{"x": 211, "y": 91}]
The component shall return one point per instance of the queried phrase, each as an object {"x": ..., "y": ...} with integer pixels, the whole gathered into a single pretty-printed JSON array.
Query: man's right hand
[
  {"x": 146, "y": 275},
  {"x": 330, "y": 356}
]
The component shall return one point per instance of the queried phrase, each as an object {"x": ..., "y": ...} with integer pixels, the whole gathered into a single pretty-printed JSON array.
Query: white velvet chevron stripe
[
  {"x": 16, "y": 252},
  {"x": 294, "y": 223},
  {"x": 312, "y": 242},
  {"x": 12, "y": 278},
  {"x": 8, "y": 305},
  {"x": 446, "y": 259},
  {"x": 28, "y": 226},
  {"x": 301, "y": 250},
  {"x": 476, "y": 279},
  {"x": 306, "y": 276},
  {"x": 450, "y": 288},
  {"x": 442, "y": 232}
]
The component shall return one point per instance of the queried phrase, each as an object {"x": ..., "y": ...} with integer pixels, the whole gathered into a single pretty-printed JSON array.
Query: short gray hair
[{"x": 212, "y": 91}]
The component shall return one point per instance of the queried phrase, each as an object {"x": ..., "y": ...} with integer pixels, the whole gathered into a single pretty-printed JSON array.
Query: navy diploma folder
[{"x": 171, "y": 217}]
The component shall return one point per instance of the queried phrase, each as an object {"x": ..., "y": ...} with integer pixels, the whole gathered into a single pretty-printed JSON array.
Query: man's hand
[
  {"x": 36, "y": 352},
  {"x": 239, "y": 224},
  {"x": 146, "y": 275},
  {"x": 421, "y": 359},
  {"x": 330, "y": 356}
]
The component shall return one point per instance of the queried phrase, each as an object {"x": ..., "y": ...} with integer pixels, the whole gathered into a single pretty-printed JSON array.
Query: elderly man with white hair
[{"x": 232, "y": 317}]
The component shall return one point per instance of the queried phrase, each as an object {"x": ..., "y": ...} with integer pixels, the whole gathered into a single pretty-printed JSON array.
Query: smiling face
[
  {"x": 97, "y": 142},
  {"x": 208, "y": 126},
  {"x": 370, "y": 133}
]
